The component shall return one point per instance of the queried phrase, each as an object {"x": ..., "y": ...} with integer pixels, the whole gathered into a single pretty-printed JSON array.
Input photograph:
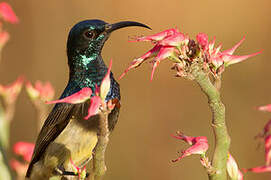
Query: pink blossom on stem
[
  {"x": 95, "y": 103},
  {"x": 226, "y": 57},
  {"x": 76, "y": 98},
  {"x": 7, "y": 13},
  {"x": 43, "y": 91},
  {"x": 199, "y": 146},
  {"x": 11, "y": 91},
  {"x": 24, "y": 149},
  {"x": 266, "y": 108},
  {"x": 232, "y": 169}
]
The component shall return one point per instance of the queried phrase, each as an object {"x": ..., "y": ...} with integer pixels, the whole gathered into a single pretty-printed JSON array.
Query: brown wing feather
[{"x": 52, "y": 127}]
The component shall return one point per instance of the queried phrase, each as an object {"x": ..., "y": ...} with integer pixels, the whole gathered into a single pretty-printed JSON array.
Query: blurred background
[{"x": 141, "y": 147}]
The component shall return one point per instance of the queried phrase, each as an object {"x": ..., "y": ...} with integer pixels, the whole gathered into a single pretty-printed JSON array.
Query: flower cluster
[
  {"x": 40, "y": 91},
  {"x": 179, "y": 48},
  {"x": 199, "y": 145},
  {"x": 10, "y": 92},
  {"x": 96, "y": 101},
  {"x": 266, "y": 136}
]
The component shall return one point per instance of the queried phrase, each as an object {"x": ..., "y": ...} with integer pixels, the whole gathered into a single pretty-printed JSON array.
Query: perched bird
[{"x": 65, "y": 134}]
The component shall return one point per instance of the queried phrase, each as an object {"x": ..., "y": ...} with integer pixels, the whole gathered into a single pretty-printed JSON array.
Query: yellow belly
[{"x": 76, "y": 142}]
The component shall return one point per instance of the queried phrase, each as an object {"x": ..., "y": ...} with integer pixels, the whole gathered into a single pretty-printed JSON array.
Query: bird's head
[{"x": 87, "y": 38}]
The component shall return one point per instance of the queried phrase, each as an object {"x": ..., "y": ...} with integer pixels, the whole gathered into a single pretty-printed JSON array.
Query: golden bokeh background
[{"x": 141, "y": 147}]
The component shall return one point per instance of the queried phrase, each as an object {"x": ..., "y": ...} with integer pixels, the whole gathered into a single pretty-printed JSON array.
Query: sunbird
[{"x": 65, "y": 134}]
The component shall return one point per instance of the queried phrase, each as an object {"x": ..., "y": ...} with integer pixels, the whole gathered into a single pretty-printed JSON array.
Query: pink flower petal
[
  {"x": 24, "y": 149},
  {"x": 212, "y": 44},
  {"x": 7, "y": 13},
  {"x": 233, "y": 170},
  {"x": 76, "y": 98},
  {"x": 231, "y": 51},
  {"x": 95, "y": 103},
  {"x": 154, "y": 66},
  {"x": 266, "y": 108},
  {"x": 137, "y": 62},
  {"x": 232, "y": 59},
  {"x": 106, "y": 82},
  {"x": 176, "y": 39},
  {"x": 202, "y": 39},
  {"x": 187, "y": 139},
  {"x": 259, "y": 169},
  {"x": 159, "y": 36},
  {"x": 199, "y": 146}
]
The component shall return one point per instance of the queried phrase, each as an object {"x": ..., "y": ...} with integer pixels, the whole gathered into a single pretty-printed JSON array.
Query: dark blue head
[{"x": 87, "y": 38}]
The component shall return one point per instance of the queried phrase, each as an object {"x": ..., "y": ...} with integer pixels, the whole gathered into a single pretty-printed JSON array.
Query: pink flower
[
  {"x": 173, "y": 45},
  {"x": 43, "y": 91},
  {"x": 199, "y": 145},
  {"x": 94, "y": 107},
  {"x": 226, "y": 57},
  {"x": 24, "y": 149},
  {"x": 7, "y": 13},
  {"x": 11, "y": 91},
  {"x": 232, "y": 169},
  {"x": 266, "y": 108},
  {"x": 85, "y": 94}
]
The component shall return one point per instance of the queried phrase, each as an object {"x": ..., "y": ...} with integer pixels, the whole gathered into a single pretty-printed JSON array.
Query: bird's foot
[{"x": 82, "y": 174}]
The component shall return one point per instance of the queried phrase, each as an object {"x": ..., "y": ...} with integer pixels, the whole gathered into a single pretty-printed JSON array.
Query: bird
[{"x": 65, "y": 134}]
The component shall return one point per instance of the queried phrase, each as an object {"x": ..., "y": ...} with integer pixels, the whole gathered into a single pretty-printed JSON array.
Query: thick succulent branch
[
  {"x": 99, "y": 167},
  {"x": 222, "y": 139}
]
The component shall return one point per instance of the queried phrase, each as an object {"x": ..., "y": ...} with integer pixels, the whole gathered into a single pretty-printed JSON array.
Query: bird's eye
[{"x": 89, "y": 34}]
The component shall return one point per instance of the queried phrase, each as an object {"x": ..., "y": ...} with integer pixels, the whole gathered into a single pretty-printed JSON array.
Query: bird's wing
[{"x": 52, "y": 127}]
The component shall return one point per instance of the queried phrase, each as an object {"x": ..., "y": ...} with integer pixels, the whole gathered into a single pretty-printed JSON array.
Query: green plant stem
[
  {"x": 222, "y": 138},
  {"x": 4, "y": 142},
  {"x": 99, "y": 167}
]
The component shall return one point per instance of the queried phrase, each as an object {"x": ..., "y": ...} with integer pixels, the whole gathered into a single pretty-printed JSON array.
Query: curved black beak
[{"x": 112, "y": 27}]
